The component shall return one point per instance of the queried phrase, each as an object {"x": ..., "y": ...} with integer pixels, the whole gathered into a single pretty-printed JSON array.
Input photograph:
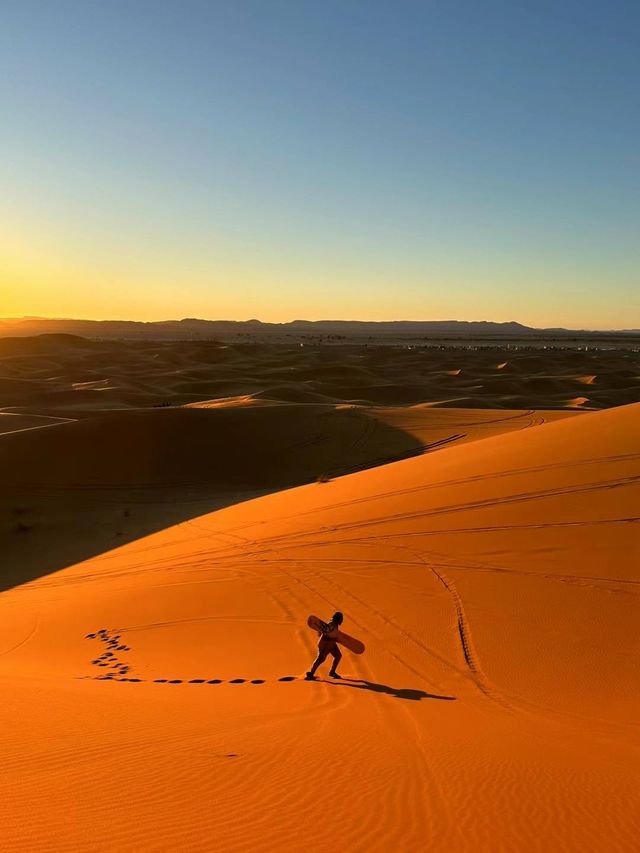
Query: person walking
[{"x": 328, "y": 645}]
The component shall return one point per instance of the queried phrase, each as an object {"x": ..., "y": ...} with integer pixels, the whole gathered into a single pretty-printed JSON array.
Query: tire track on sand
[{"x": 464, "y": 634}]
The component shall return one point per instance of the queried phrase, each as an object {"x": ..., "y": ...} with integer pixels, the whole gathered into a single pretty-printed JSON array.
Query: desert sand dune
[
  {"x": 431, "y": 425},
  {"x": 105, "y": 478},
  {"x": 81, "y": 487},
  {"x": 233, "y": 446},
  {"x": 154, "y": 698},
  {"x": 159, "y": 564},
  {"x": 65, "y": 373}
]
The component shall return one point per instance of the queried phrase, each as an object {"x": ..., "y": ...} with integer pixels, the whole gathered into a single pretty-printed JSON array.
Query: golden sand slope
[{"x": 496, "y": 708}]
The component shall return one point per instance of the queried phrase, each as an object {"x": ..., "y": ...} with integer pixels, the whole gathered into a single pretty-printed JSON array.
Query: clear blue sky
[{"x": 372, "y": 160}]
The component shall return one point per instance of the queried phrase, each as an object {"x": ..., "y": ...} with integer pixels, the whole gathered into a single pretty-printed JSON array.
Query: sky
[{"x": 360, "y": 159}]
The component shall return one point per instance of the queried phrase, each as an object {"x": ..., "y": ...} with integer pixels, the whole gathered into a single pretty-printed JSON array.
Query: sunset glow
[{"x": 303, "y": 160}]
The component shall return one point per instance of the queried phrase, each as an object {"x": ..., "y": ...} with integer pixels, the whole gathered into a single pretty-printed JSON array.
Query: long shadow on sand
[
  {"x": 359, "y": 683},
  {"x": 399, "y": 692},
  {"x": 72, "y": 492}
]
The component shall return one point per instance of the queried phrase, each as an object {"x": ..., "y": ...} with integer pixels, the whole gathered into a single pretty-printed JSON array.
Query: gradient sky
[{"x": 281, "y": 160}]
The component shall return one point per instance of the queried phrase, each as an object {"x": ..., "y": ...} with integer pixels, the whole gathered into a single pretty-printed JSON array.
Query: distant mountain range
[{"x": 195, "y": 329}]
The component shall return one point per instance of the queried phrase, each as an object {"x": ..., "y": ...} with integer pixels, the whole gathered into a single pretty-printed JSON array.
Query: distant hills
[{"x": 196, "y": 329}]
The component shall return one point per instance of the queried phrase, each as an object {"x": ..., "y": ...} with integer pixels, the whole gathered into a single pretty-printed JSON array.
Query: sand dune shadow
[
  {"x": 409, "y": 693},
  {"x": 72, "y": 492}
]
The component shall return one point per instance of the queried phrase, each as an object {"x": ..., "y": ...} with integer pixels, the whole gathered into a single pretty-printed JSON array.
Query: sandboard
[{"x": 355, "y": 646}]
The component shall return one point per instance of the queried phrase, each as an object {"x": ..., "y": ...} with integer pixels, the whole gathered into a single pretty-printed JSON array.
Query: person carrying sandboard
[{"x": 328, "y": 645}]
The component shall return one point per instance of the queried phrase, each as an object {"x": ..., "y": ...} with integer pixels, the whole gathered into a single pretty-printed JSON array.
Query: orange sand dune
[
  {"x": 495, "y": 584},
  {"x": 433, "y": 426}
]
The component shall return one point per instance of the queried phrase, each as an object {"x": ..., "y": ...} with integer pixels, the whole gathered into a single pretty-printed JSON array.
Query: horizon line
[{"x": 253, "y": 320}]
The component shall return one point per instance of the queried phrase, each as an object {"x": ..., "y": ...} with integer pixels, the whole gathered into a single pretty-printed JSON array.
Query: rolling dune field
[{"x": 65, "y": 372}]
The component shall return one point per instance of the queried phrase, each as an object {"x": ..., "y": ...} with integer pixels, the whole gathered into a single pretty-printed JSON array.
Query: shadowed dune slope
[
  {"x": 75, "y": 489},
  {"x": 17, "y": 423},
  {"x": 260, "y": 447},
  {"x": 495, "y": 585},
  {"x": 72, "y": 490}
]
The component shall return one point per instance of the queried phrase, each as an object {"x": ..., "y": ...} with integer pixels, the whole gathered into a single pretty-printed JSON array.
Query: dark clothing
[
  {"x": 327, "y": 643},
  {"x": 327, "y": 646},
  {"x": 328, "y": 628}
]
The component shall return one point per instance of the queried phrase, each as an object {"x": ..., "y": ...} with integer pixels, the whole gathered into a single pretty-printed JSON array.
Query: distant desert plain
[{"x": 172, "y": 511}]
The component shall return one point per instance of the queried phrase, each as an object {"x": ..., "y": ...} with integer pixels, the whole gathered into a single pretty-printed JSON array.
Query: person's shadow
[{"x": 398, "y": 692}]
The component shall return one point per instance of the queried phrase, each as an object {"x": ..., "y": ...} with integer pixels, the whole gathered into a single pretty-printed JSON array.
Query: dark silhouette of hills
[{"x": 197, "y": 329}]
